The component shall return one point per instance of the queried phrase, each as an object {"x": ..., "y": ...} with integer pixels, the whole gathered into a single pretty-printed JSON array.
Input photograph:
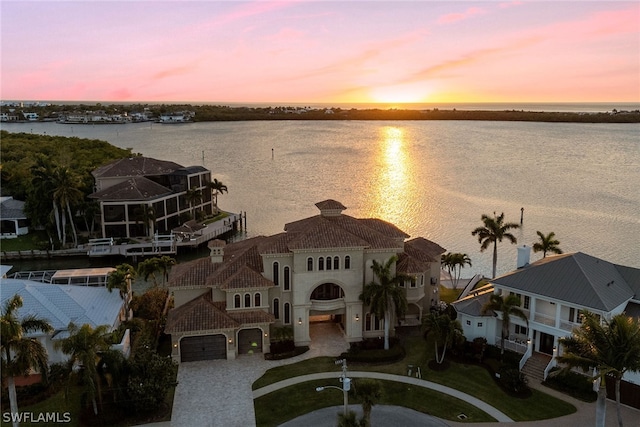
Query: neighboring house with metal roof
[
  {"x": 554, "y": 292},
  {"x": 140, "y": 196},
  {"x": 314, "y": 271},
  {"x": 62, "y": 304},
  {"x": 13, "y": 221}
]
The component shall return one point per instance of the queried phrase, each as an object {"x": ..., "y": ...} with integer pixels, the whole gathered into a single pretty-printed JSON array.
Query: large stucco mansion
[{"x": 230, "y": 303}]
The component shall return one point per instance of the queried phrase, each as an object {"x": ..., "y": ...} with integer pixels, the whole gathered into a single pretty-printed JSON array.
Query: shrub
[{"x": 571, "y": 383}]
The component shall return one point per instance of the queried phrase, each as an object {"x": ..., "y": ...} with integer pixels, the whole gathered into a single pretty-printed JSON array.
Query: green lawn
[
  {"x": 449, "y": 295},
  {"x": 276, "y": 408},
  {"x": 34, "y": 240},
  {"x": 55, "y": 404},
  {"x": 473, "y": 380}
]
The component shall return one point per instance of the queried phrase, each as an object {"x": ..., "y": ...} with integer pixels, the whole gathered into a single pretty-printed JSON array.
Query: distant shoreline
[{"x": 208, "y": 113}]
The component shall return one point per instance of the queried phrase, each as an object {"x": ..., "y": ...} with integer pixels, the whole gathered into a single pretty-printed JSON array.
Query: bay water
[{"x": 430, "y": 178}]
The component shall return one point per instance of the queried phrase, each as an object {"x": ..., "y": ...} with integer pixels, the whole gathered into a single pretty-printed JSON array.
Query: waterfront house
[
  {"x": 142, "y": 196},
  {"x": 13, "y": 221},
  {"x": 554, "y": 292},
  {"x": 314, "y": 271},
  {"x": 62, "y": 304}
]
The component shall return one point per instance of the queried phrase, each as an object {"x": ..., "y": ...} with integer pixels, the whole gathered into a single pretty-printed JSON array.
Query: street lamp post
[{"x": 346, "y": 385}]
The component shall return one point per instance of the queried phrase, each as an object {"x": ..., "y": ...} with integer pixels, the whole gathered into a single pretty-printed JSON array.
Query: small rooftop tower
[
  {"x": 524, "y": 256},
  {"x": 330, "y": 208},
  {"x": 216, "y": 250}
]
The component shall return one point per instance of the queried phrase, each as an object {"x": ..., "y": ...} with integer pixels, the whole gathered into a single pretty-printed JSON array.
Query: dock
[{"x": 190, "y": 234}]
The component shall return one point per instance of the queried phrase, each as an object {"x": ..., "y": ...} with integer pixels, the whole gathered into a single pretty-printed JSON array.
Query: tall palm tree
[
  {"x": 612, "y": 347},
  {"x": 385, "y": 298},
  {"x": 547, "y": 243},
  {"x": 454, "y": 263},
  {"x": 148, "y": 268},
  {"x": 120, "y": 279},
  {"x": 19, "y": 352},
  {"x": 193, "y": 197},
  {"x": 66, "y": 192},
  {"x": 164, "y": 264},
  {"x": 146, "y": 215},
  {"x": 370, "y": 392},
  {"x": 41, "y": 207},
  {"x": 508, "y": 306},
  {"x": 85, "y": 346},
  {"x": 445, "y": 330},
  {"x": 218, "y": 188},
  {"x": 493, "y": 231}
]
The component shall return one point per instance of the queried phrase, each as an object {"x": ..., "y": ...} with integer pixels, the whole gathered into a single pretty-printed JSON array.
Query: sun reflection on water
[{"x": 393, "y": 189}]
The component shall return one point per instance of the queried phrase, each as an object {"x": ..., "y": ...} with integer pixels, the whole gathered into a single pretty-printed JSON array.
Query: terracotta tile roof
[
  {"x": 409, "y": 265},
  {"x": 191, "y": 274},
  {"x": 324, "y": 233},
  {"x": 424, "y": 250},
  {"x": 200, "y": 314},
  {"x": 136, "y": 166},
  {"x": 137, "y": 188},
  {"x": 246, "y": 278}
]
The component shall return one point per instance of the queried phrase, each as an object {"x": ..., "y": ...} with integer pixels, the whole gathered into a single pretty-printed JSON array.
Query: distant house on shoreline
[
  {"x": 232, "y": 302},
  {"x": 142, "y": 196},
  {"x": 13, "y": 221}
]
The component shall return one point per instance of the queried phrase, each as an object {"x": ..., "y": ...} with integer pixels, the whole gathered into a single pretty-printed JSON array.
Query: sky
[{"x": 320, "y": 51}]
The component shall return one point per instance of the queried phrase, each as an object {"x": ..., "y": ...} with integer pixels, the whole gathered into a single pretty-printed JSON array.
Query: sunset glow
[{"x": 321, "y": 51}]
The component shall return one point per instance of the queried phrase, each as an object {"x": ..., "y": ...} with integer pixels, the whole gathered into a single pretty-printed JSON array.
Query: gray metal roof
[
  {"x": 61, "y": 304},
  {"x": 11, "y": 208},
  {"x": 473, "y": 303},
  {"x": 136, "y": 188},
  {"x": 575, "y": 278}
]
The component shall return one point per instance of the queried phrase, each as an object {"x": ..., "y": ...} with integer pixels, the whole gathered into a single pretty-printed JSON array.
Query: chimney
[
  {"x": 216, "y": 250},
  {"x": 524, "y": 255}
]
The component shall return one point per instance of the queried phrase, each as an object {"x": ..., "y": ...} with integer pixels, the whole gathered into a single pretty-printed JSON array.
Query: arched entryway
[{"x": 250, "y": 341}]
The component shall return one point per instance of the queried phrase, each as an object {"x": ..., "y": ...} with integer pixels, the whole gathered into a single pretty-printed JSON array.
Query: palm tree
[
  {"x": 348, "y": 420},
  {"x": 40, "y": 202},
  {"x": 445, "y": 330},
  {"x": 218, "y": 188},
  {"x": 369, "y": 391},
  {"x": 508, "y": 306},
  {"x": 164, "y": 264},
  {"x": 546, "y": 244},
  {"x": 454, "y": 263},
  {"x": 493, "y": 231},
  {"x": 385, "y": 298},
  {"x": 120, "y": 279},
  {"x": 146, "y": 215},
  {"x": 85, "y": 346},
  {"x": 20, "y": 353},
  {"x": 148, "y": 268},
  {"x": 193, "y": 196},
  {"x": 612, "y": 347},
  {"x": 66, "y": 192}
]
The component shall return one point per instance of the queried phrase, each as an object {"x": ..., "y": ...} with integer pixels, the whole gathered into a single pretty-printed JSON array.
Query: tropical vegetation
[
  {"x": 494, "y": 229},
  {"x": 53, "y": 175},
  {"x": 507, "y": 305},
  {"x": 385, "y": 298},
  {"x": 547, "y": 243},
  {"x": 369, "y": 392},
  {"x": 454, "y": 263},
  {"x": 445, "y": 331},
  {"x": 611, "y": 347},
  {"x": 218, "y": 188},
  {"x": 20, "y": 353},
  {"x": 120, "y": 279}
]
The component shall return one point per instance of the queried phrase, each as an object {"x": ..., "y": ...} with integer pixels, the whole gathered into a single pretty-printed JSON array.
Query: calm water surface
[{"x": 431, "y": 178}]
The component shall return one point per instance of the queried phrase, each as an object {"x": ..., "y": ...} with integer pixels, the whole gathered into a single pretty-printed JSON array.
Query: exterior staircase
[{"x": 534, "y": 367}]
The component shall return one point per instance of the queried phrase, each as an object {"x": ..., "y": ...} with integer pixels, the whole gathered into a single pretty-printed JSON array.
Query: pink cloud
[
  {"x": 455, "y": 17},
  {"x": 172, "y": 72},
  {"x": 506, "y": 5},
  {"x": 286, "y": 34}
]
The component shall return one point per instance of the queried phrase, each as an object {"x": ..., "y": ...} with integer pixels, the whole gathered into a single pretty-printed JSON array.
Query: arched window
[
  {"x": 236, "y": 301},
  {"x": 276, "y": 308},
  {"x": 309, "y": 264},
  {"x": 328, "y": 263},
  {"x": 347, "y": 262},
  {"x": 276, "y": 273},
  {"x": 287, "y": 313},
  {"x": 287, "y": 278},
  {"x": 336, "y": 263},
  {"x": 247, "y": 300},
  {"x": 257, "y": 302},
  {"x": 321, "y": 263}
]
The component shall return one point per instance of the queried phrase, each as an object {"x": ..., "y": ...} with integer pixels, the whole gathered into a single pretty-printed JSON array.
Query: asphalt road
[{"x": 381, "y": 416}]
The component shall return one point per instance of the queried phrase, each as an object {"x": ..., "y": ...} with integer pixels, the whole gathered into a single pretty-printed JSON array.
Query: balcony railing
[{"x": 519, "y": 346}]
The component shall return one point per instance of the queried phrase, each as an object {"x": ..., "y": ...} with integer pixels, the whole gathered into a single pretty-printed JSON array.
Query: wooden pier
[{"x": 187, "y": 235}]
